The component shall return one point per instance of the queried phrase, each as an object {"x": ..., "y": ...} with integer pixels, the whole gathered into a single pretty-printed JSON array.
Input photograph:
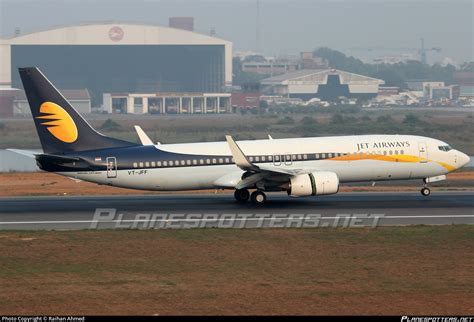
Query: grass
[
  {"x": 453, "y": 127},
  {"x": 389, "y": 270}
]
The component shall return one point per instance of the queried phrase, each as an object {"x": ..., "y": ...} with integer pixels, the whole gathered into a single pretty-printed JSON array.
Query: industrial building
[
  {"x": 248, "y": 97},
  {"x": 129, "y": 58},
  {"x": 465, "y": 80},
  {"x": 79, "y": 98},
  {"x": 166, "y": 103},
  {"x": 325, "y": 84}
]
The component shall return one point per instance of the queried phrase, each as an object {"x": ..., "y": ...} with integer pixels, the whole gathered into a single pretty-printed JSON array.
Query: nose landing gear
[{"x": 425, "y": 191}]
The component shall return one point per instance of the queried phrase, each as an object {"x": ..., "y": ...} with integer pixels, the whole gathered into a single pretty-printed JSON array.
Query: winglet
[
  {"x": 270, "y": 137},
  {"x": 239, "y": 157},
  {"x": 143, "y": 137}
]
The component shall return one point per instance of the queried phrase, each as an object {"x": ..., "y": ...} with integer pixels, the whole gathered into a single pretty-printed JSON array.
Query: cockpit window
[{"x": 445, "y": 148}]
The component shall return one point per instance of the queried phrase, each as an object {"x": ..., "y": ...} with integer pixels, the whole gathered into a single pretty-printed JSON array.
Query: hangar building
[
  {"x": 325, "y": 84},
  {"x": 129, "y": 58}
]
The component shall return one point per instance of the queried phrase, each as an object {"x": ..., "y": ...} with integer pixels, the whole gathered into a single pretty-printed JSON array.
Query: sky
[{"x": 357, "y": 27}]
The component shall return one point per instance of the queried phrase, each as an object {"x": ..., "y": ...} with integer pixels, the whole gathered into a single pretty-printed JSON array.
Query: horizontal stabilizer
[
  {"x": 57, "y": 159},
  {"x": 26, "y": 153}
]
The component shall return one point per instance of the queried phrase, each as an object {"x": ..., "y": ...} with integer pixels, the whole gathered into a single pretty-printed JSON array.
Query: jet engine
[{"x": 313, "y": 184}]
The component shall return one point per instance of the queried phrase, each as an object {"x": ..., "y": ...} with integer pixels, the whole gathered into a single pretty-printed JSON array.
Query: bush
[
  {"x": 337, "y": 119},
  {"x": 411, "y": 119},
  {"x": 286, "y": 120},
  {"x": 110, "y": 125},
  {"x": 308, "y": 120},
  {"x": 254, "y": 111},
  {"x": 385, "y": 119}
]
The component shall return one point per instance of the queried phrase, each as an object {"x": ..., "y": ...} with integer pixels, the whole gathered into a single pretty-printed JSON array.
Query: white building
[
  {"x": 115, "y": 57},
  {"x": 326, "y": 84}
]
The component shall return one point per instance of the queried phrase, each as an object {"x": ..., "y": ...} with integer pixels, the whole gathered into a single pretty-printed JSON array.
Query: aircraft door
[
  {"x": 111, "y": 167},
  {"x": 276, "y": 159},
  {"x": 423, "y": 151}
]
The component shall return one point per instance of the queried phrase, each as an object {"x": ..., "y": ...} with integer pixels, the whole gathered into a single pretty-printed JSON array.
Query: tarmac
[{"x": 180, "y": 211}]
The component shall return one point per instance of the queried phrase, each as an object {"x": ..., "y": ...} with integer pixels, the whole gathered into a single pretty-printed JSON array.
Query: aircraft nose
[{"x": 463, "y": 159}]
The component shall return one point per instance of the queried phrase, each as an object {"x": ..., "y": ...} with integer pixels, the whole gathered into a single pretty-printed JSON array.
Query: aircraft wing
[{"x": 257, "y": 173}]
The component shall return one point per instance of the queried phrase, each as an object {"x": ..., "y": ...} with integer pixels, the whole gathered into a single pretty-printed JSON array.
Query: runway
[{"x": 221, "y": 211}]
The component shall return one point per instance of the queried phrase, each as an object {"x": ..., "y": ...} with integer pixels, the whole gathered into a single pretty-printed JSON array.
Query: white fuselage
[{"x": 352, "y": 158}]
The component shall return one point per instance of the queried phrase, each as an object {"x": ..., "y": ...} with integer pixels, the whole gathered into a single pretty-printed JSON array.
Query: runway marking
[{"x": 220, "y": 219}]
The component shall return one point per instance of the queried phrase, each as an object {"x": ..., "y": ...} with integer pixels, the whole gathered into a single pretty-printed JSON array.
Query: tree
[
  {"x": 392, "y": 74},
  {"x": 468, "y": 66}
]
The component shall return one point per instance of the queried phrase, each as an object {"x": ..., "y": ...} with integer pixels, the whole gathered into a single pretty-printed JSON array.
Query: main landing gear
[
  {"x": 425, "y": 191},
  {"x": 257, "y": 197},
  {"x": 241, "y": 195}
]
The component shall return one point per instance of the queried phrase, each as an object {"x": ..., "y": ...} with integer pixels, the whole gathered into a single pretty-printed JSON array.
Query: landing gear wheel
[
  {"x": 425, "y": 191},
  {"x": 258, "y": 197},
  {"x": 241, "y": 195}
]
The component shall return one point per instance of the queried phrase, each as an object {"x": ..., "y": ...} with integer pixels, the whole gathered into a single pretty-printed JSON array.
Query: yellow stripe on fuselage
[{"x": 390, "y": 158}]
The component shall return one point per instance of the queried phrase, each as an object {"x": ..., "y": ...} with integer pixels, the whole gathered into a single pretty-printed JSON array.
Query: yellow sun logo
[{"x": 60, "y": 124}]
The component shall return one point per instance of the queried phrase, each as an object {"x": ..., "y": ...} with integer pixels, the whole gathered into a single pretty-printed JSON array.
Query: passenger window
[
  {"x": 171, "y": 163},
  {"x": 396, "y": 152},
  {"x": 188, "y": 162},
  {"x": 402, "y": 152},
  {"x": 390, "y": 152},
  {"x": 153, "y": 164},
  {"x": 329, "y": 155},
  {"x": 141, "y": 164},
  {"x": 299, "y": 156},
  {"x": 214, "y": 161},
  {"x": 183, "y": 162},
  {"x": 158, "y": 163},
  {"x": 305, "y": 156},
  {"x": 201, "y": 161},
  {"x": 135, "y": 164},
  {"x": 251, "y": 159},
  {"x": 208, "y": 161},
  {"x": 221, "y": 160},
  {"x": 257, "y": 159},
  {"x": 165, "y": 163}
]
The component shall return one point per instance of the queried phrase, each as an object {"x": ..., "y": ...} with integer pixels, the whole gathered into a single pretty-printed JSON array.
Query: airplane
[{"x": 300, "y": 166}]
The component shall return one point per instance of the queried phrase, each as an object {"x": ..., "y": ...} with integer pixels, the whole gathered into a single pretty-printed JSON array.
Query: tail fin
[{"x": 60, "y": 127}]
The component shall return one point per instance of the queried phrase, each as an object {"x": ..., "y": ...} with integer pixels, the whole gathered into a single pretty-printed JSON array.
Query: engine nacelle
[{"x": 313, "y": 184}]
